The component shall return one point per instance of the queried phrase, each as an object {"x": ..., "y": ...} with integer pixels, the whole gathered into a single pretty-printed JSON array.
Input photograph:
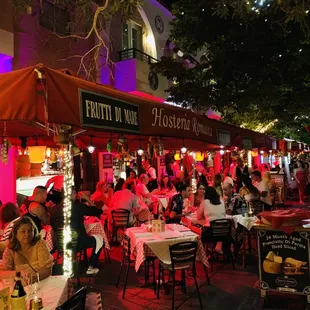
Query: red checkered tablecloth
[
  {"x": 47, "y": 235},
  {"x": 96, "y": 228},
  {"x": 141, "y": 249}
]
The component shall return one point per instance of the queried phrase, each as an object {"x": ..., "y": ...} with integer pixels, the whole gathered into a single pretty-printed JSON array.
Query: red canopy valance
[{"x": 28, "y": 103}]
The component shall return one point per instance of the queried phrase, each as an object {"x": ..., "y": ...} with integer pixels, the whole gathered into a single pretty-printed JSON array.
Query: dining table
[
  {"x": 144, "y": 243},
  {"x": 242, "y": 235},
  {"x": 54, "y": 291}
]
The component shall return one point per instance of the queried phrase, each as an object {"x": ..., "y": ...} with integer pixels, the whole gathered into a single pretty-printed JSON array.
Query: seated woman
[
  {"x": 197, "y": 198},
  {"x": 217, "y": 184},
  {"x": 166, "y": 186},
  {"x": 103, "y": 195},
  {"x": 211, "y": 208},
  {"x": 9, "y": 214},
  {"x": 27, "y": 251},
  {"x": 249, "y": 192}
]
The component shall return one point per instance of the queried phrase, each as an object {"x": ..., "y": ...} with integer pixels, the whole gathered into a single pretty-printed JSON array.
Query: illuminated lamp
[
  {"x": 183, "y": 149},
  {"x": 36, "y": 154},
  {"x": 48, "y": 152},
  {"x": 91, "y": 148},
  {"x": 177, "y": 156},
  {"x": 222, "y": 152},
  {"x": 199, "y": 156},
  {"x": 140, "y": 149}
]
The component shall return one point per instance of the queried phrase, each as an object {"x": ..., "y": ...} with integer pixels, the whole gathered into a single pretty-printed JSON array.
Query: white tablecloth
[
  {"x": 247, "y": 222},
  {"x": 53, "y": 291}
]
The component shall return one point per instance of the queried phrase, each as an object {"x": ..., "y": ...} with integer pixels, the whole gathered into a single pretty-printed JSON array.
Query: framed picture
[{"x": 107, "y": 161}]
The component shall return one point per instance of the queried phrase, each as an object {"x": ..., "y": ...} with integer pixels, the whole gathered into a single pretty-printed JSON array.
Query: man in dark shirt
[
  {"x": 176, "y": 210},
  {"x": 78, "y": 211}
]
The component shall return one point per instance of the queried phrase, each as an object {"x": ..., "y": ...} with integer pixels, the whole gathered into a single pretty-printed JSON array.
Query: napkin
[
  {"x": 169, "y": 234},
  {"x": 178, "y": 227},
  {"x": 99, "y": 242},
  {"x": 143, "y": 235}
]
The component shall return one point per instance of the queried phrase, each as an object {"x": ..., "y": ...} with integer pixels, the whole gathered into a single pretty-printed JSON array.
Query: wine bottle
[{"x": 18, "y": 290}]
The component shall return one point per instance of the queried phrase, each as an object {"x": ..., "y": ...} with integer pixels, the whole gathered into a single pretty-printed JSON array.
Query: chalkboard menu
[{"x": 284, "y": 261}]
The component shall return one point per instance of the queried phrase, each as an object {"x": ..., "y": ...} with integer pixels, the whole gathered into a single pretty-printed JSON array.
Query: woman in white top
[{"x": 211, "y": 208}]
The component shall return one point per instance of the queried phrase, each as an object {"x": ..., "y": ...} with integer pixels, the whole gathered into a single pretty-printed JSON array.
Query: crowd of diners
[{"x": 23, "y": 247}]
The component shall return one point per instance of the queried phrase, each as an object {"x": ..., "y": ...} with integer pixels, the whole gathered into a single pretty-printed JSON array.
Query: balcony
[
  {"x": 135, "y": 53},
  {"x": 132, "y": 74}
]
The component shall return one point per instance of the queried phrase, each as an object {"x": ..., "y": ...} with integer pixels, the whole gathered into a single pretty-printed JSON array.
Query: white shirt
[
  {"x": 125, "y": 199},
  {"x": 263, "y": 187},
  {"x": 141, "y": 191},
  {"x": 152, "y": 172},
  {"x": 210, "y": 212}
]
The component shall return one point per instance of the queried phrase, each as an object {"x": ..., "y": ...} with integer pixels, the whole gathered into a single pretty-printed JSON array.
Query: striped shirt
[{"x": 7, "y": 230}]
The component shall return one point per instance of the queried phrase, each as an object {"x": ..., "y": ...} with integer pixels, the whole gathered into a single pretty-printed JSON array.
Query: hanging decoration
[
  {"x": 5, "y": 150},
  {"x": 109, "y": 146}
]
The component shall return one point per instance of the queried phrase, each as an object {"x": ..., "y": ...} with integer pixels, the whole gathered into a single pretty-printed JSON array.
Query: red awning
[{"x": 22, "y": 101}]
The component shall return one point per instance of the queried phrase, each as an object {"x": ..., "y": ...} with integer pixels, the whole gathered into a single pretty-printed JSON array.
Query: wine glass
[{"x": 35, "y": 284}]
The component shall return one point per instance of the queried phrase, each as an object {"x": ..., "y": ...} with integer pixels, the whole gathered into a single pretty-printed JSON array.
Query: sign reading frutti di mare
[
  {"x": 101, "y": 111},
  {"x": 183, "y": 123}
]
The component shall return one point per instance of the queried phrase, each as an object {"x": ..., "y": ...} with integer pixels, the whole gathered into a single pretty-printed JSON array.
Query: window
[
  {"x": 54, "y": 18},
  {"x": 132, "y": 36}
]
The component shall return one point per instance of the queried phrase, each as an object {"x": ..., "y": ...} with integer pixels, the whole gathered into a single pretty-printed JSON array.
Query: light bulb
[
  {"x": 140, "y": 152},
  {"x": 91, "y": 149},
  {"x": 262, "y": 152},
  {"x": 183, "y": 150},
  {"x": 222, "y": 152}
]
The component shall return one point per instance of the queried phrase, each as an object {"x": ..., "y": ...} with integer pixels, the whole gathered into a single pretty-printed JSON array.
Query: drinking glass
[{"x": 35, "y": 284}]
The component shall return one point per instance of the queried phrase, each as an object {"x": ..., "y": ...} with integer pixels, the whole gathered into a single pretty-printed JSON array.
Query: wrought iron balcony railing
[{"x": 132, "y": 53}]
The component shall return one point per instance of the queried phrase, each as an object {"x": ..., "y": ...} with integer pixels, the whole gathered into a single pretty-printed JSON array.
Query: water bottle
[{"x": 243, "y": 209}]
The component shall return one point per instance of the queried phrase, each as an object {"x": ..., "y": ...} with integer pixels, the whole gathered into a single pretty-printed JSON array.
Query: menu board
[{"x": 284, "y": 261}]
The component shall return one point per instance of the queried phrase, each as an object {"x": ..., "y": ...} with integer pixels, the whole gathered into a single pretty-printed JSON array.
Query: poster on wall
[
  {"x": 284, "y": 261},
  {"x": 107, "y": 161}
]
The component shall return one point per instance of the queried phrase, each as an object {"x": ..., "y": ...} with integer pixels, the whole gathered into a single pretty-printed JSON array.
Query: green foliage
[{"x": 255, "y": 64}]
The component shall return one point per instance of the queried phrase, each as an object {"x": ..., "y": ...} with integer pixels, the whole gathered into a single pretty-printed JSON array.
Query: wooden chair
[
  {"x": 129, "y": 260},
  {"x": 183, "y": 257},
  {"x": 75, "y": 302},
  {"x": 120, "y": 220}
]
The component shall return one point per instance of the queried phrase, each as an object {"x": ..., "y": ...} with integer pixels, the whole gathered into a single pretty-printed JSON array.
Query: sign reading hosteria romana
[
  {"x": 164, "y": 120},
  {"x": 100, "y": 111}
]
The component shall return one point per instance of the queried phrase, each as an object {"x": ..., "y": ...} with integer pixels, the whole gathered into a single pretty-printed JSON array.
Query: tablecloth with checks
[
  {"x": 96, "y": 228},
  {"x": 141, "y": 248}
]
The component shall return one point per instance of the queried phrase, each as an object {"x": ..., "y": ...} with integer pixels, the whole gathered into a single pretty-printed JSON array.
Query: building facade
[{"x": 134, "y": 44}]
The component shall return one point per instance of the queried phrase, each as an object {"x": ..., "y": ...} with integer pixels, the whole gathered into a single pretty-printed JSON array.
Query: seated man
[
  {"x": 125, "y": 199},
  {"x": 176, "y": 208},
  {"x": 232, "y": 200},
  {"x": 78, "y": 211},
  {"x": 34, "y": 207}
]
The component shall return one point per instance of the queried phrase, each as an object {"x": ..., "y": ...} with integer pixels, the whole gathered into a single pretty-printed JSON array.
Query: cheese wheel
[{"x": 271, "y": 267}]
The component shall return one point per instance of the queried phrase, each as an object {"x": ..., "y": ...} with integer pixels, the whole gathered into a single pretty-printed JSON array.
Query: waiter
[{"x": 151, "y": 171}]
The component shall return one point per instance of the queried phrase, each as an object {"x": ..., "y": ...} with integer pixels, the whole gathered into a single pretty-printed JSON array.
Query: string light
[
  {"x": 249, "y": 159},
  {"x": 67, "y": 237}
]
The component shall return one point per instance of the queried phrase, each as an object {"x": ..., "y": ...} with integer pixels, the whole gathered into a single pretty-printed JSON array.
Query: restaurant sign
[
  {"x": 284, "y": 261},
  {"x": 100, "y": 111},
  {"x": 165, "y": 119}
]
